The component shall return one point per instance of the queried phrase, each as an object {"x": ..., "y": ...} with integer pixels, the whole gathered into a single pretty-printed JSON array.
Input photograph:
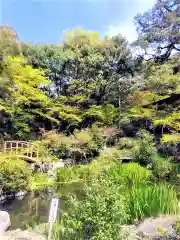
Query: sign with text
[{"x": 53, "y": 210}]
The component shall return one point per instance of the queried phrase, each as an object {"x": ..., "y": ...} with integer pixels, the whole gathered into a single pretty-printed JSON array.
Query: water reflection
[{"x": 33, "y": 209}]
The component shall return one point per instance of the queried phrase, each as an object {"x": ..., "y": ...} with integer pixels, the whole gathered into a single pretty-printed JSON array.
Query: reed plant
[
  {"x": 152, "y": 200},
  {"x": 131, "y": 174}
]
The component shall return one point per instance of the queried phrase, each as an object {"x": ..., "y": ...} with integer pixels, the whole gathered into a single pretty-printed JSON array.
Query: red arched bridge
[{"x": 25, "y": 150}]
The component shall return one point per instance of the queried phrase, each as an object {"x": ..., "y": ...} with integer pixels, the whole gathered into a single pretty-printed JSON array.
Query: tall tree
[
  {"x": 9, "y": 44},
  {"x": 50, "y": 58},
  {"x": 159, "y": 30},
  {"x": 23, "y": 101}
]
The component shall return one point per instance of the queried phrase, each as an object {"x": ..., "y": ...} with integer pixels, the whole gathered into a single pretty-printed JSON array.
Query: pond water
[{"x": 33, "y": 209}]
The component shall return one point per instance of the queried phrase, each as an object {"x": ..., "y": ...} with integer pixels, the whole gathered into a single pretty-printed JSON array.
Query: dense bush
[
  {"x": 127, "y": 143},
  {"x": 97, "y": 169},
  {"x": 82, "y": 146},
  {"x": 146, "y": 150},
  {"x": 14, "y": 173},
  {"x": 162, "y": 168},
  {"x": 99, "y": 216}
]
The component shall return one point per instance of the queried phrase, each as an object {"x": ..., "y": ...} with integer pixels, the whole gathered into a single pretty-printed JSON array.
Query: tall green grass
[
  {"x": 152, "y": 200},
  {"x": 131, "y": 174}
]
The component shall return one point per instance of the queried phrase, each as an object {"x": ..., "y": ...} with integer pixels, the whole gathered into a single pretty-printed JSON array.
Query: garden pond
[{"x": 33, "y": 209}]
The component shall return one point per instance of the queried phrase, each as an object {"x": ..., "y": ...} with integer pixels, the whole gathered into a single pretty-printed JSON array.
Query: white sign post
[{"x": 52, "y": 215}]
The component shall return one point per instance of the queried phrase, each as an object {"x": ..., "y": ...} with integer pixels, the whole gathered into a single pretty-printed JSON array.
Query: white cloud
[{"x": 127, "y": 27}]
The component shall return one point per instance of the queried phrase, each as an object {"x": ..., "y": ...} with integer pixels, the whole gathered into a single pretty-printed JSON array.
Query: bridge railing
[{"x": 22, "y": 148}]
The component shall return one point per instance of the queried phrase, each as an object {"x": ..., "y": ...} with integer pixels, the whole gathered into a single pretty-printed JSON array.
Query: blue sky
[{"x": 43, "y": 21}]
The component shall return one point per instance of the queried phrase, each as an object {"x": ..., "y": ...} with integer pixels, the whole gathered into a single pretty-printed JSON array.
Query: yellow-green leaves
[
  {"x": 162, "y": 79},
  {"x": 172, "y": 121},
  {"x": 170, "y": 138},
  {"x": 26, "y": 82}
]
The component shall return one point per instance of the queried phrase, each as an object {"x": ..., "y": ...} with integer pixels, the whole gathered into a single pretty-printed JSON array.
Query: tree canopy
[
  {"x": 159, "y": 30},
  {"x": 88, "y": 79}
]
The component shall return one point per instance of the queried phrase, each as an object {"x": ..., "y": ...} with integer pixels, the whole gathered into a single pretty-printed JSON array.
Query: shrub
[
  {"x": 126, "y": 143},
  {"x": 162, "y": 168},
  {"x": 146, "y": 149},
  {"x": 97, "y": 169},
  {"x": 14, "y": 173},
  {"x": 39, "y": 181},
  {"x": 146, "y": 201},
  {"x": 97, "y": 136},
  {"x": 66, "y": 174},
  {"x": 98, "y": 216}
]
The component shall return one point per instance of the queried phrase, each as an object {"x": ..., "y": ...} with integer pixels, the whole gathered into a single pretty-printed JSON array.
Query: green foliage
[
  {"x": 83, "y": 81},
  {"x": 158, "y": 29},
  {"x": 162, "y": 168},
  {"x": 127, "y": 143},
  {"x": 9, "y": 44},
  {"x": 146, "y": 201},
  {"x": 14, "y": 173},
  {"x": 96, "y": 135},
  {"x": 25, "y": 100},
  {"x": 116, "y": 194},
  {"x": 38, "y": 181},
  {"x": 72, "y": 115},
  {"x": 67, "y": 174},
  {"x": 140, "y": 113},
  {"x": 98, "y": 216},
  {"x": 162, "y": 80},
  {"x": 105, "y": 114},
  {"x": 171, "y": 121},
  {"x": 131, "y": 173},
  {"x": 146, "y": 149},
  {"x": 97, "y": 169},
  {"x": 173, "y": 138},
  {"x": 79, "y": 147}
]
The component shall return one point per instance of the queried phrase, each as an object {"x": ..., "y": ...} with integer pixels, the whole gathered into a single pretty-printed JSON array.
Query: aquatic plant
[{"x": 152, "y": 200}]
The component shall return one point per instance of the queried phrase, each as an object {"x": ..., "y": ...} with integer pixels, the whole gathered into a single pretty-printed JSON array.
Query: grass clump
[
  {"x": 131, "y": 173},
  {"x": 152, "y": 200}
]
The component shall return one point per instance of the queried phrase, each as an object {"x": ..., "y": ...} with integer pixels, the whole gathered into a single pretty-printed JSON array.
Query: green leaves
[
  {"x": 14, "y": 173},
  {"x": 105, "y": 114},
  {"x": 170, "y": 138},
  {"x": 162, "y": 79}
]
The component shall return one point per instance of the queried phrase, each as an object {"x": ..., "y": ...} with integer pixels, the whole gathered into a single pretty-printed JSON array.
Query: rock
[
  {"x": 5, "y": 221},
  {"x": 55, "y": 166},
  {"x": 18, "y": 234},
  {"x": 156, "y": 228},
  {"x": 20, "y": 195},
  {"x": 159, "y": 228},
  {"x": 128, "y": 233},
  {"x": 2, "y": 198}
]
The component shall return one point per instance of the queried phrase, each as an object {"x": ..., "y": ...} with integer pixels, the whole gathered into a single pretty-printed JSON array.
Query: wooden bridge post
[{"x": 4, "y": 147}]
